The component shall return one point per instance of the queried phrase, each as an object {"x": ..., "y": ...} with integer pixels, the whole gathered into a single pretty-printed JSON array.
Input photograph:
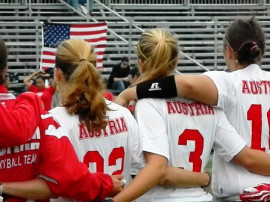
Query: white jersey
[
  {"x": 109, "y": 150},
  {"x": 244, "y": 95},
  {"x": 184, "y": 132}
]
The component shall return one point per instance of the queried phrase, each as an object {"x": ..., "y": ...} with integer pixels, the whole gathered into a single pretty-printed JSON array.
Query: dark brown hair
[
  {"x": 3, "y": 60},
  {"x": 246, "y": 38}
]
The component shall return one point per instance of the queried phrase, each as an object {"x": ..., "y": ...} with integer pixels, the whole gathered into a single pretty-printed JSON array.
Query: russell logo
[{"x": 154, "y": 87}]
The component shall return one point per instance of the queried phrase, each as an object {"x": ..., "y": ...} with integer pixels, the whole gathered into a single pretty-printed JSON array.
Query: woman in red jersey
[{"x": 42, "y": 157}]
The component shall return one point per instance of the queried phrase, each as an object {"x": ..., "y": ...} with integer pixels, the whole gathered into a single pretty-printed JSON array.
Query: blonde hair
[
  {"x": 158, "y": 50},
  {"x": 83, "y": 94}
]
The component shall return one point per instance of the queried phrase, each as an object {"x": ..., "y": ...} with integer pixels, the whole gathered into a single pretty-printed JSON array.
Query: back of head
[
  {"x": 3, "y": 60},
  {"x": 83, "y": 94},
  {"x": 158, "y": 50},
  {"x": 246, "y": 38},
  {"x": 124, "y": 59}
]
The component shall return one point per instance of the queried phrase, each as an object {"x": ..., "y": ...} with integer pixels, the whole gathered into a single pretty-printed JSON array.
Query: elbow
[
  {"x": 25, "y": 82},
  {"x": 247, "y": 159},
  {"x": 163, "y": 177},
  {"x": 165, "y": 181}
]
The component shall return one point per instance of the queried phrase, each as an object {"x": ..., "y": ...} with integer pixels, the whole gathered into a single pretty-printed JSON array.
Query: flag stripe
[
  {"x": 89, "y": 25},
  {"x": 48, "y": 53},
  {"x": 91, "y": 33},
  {"x": 48, "y": 61},
  {"x": 89, "y": 37},
  {"x": 88, "y": 29}
]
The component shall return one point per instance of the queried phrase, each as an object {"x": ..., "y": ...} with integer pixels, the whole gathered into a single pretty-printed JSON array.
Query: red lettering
[
  {"x": 245, "y": 88},
  {"x": 83, "y": 134},
  {"x": 191, "y": 110},
  {"x": 119, "y": 127},
  {"x": 211, "y": 110},
  {"x": 124, "y": 126},
  {"x": 177, "y": 107},
  {"x": 253, "y": 87},
  {"x": 170, "y": 108},
  {"x": 184, "y": 107},
  {"x": 112, "y": 127},
  {"x": 199, "y": 110}
]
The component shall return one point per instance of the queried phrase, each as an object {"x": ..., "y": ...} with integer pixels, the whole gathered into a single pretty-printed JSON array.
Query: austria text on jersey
[
  {"x": 114, "y": 127},
  {"x": 189, "y": 108},
  {"x": 256, "y": 87}
]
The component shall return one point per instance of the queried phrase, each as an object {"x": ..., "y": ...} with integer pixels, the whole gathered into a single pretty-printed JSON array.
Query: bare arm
[
  {"x": 125, "y": 96},
  {"x": 177, "y": 177},
  {"x": 254, "y": 160},
  {"x": 27, "y": 80},
  {"x": 33, "y": 189},
  {"x": 197, "y": 87},
  {"x": 148, "y": 177},
  {"x": 127, "y": 78}
]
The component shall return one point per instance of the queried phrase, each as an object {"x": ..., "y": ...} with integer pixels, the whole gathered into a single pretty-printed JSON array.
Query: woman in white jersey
[
  {"x": 178, "y": 133},
  {"x": 243, "y": 94},
  {"x": 103, "y": 134}
]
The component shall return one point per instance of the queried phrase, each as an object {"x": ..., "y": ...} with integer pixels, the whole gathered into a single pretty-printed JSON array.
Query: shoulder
[
  {"x": 59, "y": 111},
  {"x": 223, "y": 80},
  {"x": 33, "y": 88},
  {"x": 217, "y": 74},
  {"x": 116, "y": 110},
  {"x": 115, "y": 107},
  {"x": 151, "y": 101}
]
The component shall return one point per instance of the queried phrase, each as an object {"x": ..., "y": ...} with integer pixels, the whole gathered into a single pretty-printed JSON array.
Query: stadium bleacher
[{"x": 199, "y": 25}]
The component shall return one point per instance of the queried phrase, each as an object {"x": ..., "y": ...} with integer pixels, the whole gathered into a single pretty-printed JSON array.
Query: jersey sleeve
[
  {"x": 63, "y": 172},
  {"x": 152, "y": 128},
  {"x": 19, "y": 122},
  {"x": 33, "y": 88},
  {"x": 227, "y": 142},
  {"x": 51, "y": 90},
  {"x": 224, "y": 85}
]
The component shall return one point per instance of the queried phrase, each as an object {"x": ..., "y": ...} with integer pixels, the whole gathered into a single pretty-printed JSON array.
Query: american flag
[{"x": 54, "y": 34}]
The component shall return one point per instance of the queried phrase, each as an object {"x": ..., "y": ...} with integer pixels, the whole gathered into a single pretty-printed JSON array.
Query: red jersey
[
  {"x": 45, "y": 94},
  {"x": 108, "y": 95},
  {"x": 45, "y": 155},
  {"x": 20, "y": 112}
]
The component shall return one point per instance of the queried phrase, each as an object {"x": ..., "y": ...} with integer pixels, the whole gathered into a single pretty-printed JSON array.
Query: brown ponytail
[{"x": 83, "y": 94}]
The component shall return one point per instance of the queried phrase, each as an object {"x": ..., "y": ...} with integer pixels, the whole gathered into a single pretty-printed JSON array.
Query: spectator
[
  {"x": 119, "y": 78},
  {"x": 45, "y": 93},
  {"x": 79, "y": 5},
  {"x": 134, "y": 73}
]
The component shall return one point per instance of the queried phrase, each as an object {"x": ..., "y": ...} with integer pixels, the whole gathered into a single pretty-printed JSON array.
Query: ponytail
[{"x": 84, "y": 90}]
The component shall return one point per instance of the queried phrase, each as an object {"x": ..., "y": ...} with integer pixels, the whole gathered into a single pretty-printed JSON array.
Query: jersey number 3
[
  {"x": 195, "y": 156},
  {"x": 95, "y": 157}
]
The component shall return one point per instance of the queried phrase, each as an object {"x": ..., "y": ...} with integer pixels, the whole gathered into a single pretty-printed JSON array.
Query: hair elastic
[
  {"x": 138, "y": 47},
  {"x": 82, "y": 59},
  {"x": 160, "y": 40},
  {"x": 255, "y": 46}
]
